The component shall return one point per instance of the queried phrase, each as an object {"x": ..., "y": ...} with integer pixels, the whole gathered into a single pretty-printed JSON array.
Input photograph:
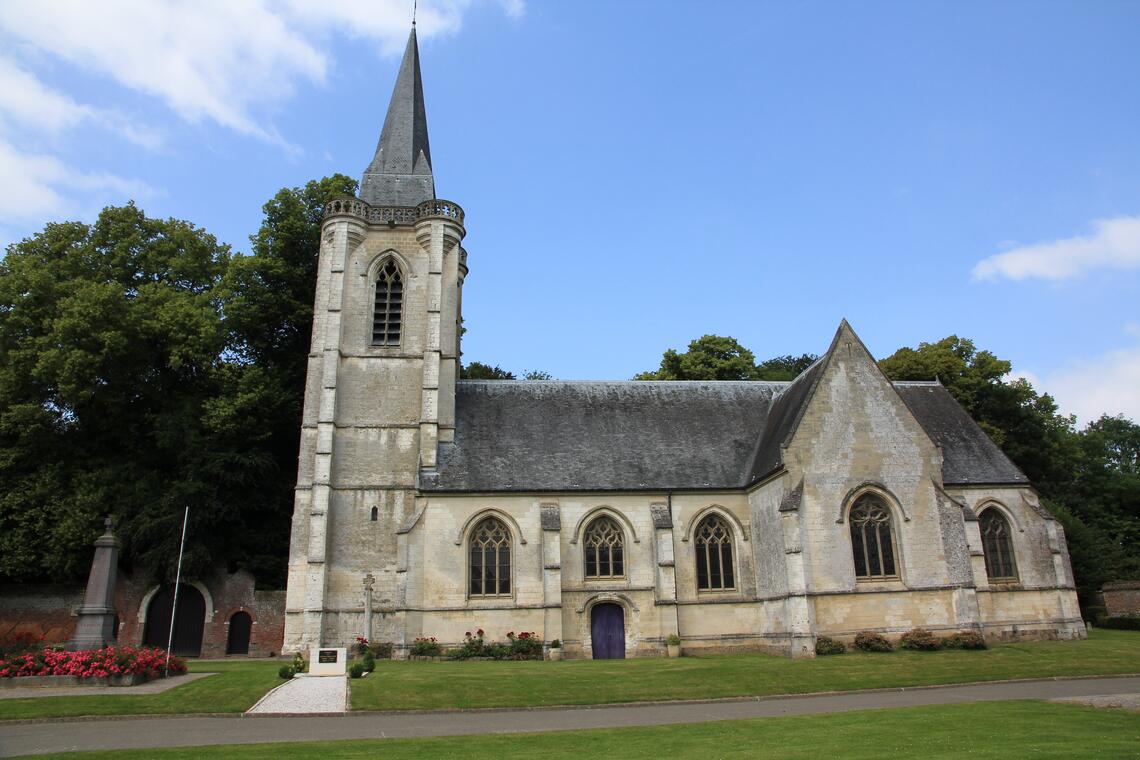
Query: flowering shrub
[
  {"x": 872, "y": 642},
  {"x": 825, "y": 645},
  {"x": 920, "y": 639},
  {"x": 964, "y": 640},
  {"x": 19, "y": 643},
  {"x": 90, "y": 663},
  {"x": 473, "y": 646},
  {"x": 525, "y": 646},
  {"x": 426, "y": 647},
  {"x": 520, "y": 646},
  {"x": 360, "y": 646}
]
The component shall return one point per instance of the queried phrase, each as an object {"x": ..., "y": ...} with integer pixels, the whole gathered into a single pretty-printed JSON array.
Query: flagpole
[{"x": 177, "y": 581}]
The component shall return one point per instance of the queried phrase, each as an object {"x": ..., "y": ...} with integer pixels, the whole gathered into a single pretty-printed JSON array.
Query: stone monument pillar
[
  {"x": 369, "y": 580},
  {"x": 96, "y": 626}
]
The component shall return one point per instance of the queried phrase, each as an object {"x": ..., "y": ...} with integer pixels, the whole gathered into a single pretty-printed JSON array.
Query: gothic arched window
[
  {"x": 490, "y": 559},
  {"x": 604, "y": 546},
  {"x": 871, "y": 541},
  {"x": 714, "y": 555},
  {"x": 997, "y": 546},
  {"x": 387, "y": 310}
]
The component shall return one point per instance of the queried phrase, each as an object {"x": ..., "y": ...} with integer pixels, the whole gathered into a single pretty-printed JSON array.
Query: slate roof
[
  {"x": 969, "y": 456},
  {"x": 400, "y": 172},
  {"x": 782, "y": 420},
  {"x": 564, "y": 436},
  {"x": 534, "y": 435}
]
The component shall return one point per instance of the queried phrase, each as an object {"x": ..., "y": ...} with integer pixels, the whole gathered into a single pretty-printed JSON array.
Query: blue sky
[{"x": 637, "y": 174}]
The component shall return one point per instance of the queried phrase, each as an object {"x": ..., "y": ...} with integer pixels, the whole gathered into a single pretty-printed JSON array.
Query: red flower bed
[{"x": 90, "y": 663}]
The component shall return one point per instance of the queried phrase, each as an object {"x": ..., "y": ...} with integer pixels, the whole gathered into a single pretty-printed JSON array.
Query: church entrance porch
[{"x": 607, "y": 632}]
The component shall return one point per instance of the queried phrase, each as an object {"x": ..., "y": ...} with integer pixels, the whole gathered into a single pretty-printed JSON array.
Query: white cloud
[
  {"x": 1114, "y": 244},
  {"x": 218, "y": 60},
  {"x": 1105, "y": 384},
  {"x": 206, "y": 59},
  {"x": 387, "y": 22},
  {"x": 27, "y": 101},
  {"x": 514, "y": 8},
  {"x": 31, "y": 190}
]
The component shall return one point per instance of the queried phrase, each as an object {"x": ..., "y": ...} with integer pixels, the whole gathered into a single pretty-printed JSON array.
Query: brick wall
[
  {"x": 1122, "y": 598},
  {"x": 48, "y": 612}
]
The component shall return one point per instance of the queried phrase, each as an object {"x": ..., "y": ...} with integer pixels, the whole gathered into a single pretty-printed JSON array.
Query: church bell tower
[{"x": 380, "y": 390}]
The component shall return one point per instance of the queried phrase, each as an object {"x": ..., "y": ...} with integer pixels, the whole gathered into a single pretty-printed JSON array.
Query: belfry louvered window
[
  {"x": 604, "y": 545},
  {"x": 872, "y": 542},
  {"x": 490, "y": 569},
  {"x": 714, "y": 555},
  {"x": 997, "y": 546},
  {"x": 388, "y": 310}
]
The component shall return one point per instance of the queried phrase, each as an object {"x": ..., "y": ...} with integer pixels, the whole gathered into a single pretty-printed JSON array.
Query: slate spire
[{"x": 400, "y": 172}]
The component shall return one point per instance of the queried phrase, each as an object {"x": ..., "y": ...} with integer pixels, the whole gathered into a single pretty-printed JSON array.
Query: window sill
[{"x": 879, "y": 584}]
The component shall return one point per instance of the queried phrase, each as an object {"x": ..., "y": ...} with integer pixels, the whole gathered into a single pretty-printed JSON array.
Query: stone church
[{"x": 610, "y": 515}]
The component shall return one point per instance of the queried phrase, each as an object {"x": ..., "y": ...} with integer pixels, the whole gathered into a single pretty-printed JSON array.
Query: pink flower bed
[{"x": 90, "y": 663}]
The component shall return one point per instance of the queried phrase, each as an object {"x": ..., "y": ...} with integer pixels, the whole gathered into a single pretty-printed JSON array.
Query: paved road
[{"x": 62, "y": 736}]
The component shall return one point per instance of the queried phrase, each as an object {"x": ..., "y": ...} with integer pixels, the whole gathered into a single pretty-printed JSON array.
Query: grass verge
[
  {"x": 440, "y": 685},
  {"x": 235, "y": 688},
  {"x": 946, "y": 732}
]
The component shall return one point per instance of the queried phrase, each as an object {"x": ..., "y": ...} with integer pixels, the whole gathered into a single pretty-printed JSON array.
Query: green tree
[
  {"x": 784, "y": 367},
  {"x": 269, "y": 298},
  {"x": 109, "y": 349},
  {"x": 710, "y": 357},
  {"x": 481, "y": 371},
  {"x": 143, "y": 369},
  {"x": 1025, "y": 424}
]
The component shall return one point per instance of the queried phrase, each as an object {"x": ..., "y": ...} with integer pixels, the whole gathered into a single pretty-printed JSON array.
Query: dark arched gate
[
  {"x": 188, "y": 623},
  {"x": 237, "y": 640}
]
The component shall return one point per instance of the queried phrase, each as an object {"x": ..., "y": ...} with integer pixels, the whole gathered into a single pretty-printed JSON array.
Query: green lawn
[
  {"x": 435, "y": 685},
  {"x": 235, "y": 688},
  {"x": 1013, "y": 730}
]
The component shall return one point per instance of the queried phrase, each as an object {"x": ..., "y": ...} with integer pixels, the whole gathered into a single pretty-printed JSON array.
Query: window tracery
[
  {"x": 714, "y": 555},
  {"x": 604, "y": 547},
  {"x": 997, "y": 546},
  {"x": 490, "y": 559},
  {"x": 872, "y": 542},
  {"x": 388, "y": 307}
]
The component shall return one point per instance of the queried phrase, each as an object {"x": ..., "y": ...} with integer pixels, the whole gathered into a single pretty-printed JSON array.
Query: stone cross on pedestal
[
  {"x": 368, "y": 581},
  {"x": 96, "y": 626}
]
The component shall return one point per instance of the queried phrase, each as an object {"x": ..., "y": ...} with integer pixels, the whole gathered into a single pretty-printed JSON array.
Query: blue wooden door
[{"x": 607, "y": 631}]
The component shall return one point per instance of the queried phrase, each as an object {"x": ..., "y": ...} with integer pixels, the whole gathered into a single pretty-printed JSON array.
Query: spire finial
[{"x": 414, "y": 4}]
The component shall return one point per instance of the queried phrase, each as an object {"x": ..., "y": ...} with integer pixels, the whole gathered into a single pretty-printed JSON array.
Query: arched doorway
[
  {"x": 237, "y": 641},
  {"x": 607, "y": 631},
  {"x": 188, "y": 623}
]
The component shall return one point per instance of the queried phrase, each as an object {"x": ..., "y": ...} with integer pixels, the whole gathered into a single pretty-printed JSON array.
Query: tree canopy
[
  {"x": 718, "y": 357},
  {"x": 145, "y": 368}
]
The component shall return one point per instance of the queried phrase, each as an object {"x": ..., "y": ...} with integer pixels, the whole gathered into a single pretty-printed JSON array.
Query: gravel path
[
  {"x": 1124, "y": 701},
  {"x": 311, "y": 695}
]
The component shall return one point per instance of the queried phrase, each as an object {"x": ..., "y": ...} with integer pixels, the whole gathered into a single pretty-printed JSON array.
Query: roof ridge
[{"x": 647, "y": 383}]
